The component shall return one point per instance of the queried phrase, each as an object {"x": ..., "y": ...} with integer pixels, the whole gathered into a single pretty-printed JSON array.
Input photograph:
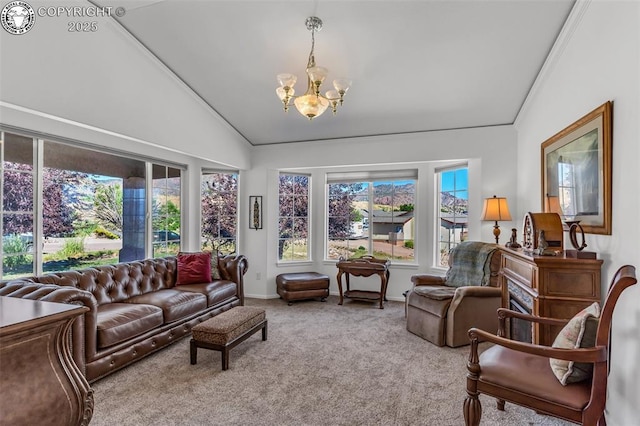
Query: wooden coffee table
[{"x": 365, "y": 266}]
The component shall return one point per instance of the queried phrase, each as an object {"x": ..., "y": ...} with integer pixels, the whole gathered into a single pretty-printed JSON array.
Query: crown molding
[{"x": 566, "y": 34}]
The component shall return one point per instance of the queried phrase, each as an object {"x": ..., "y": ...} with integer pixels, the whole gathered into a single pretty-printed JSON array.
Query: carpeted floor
[{"x": 322, "y": 364}]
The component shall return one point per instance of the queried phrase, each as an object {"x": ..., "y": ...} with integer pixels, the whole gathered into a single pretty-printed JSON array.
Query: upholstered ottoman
[
  {"x": 302, "y": 285},
  {"x": 225, "y": 331}
]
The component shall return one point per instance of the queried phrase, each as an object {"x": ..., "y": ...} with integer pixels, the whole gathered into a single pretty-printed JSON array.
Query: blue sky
[{"x": 456, "y": 179}]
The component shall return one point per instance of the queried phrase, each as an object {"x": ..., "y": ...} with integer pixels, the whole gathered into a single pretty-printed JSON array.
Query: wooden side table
[
  {"x": 364, "y": 267},
  {"x": 40, "y": 383}
]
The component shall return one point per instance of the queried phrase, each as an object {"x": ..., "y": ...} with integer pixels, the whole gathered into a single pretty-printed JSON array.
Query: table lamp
[{"x": 496, "y": 209}]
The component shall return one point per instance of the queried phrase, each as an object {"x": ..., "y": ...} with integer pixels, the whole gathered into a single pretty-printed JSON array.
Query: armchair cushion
[
  {"x": 470, "y": 264},
  {"x": 580, "y": 332},
  {"x": 435, "y": 292}
]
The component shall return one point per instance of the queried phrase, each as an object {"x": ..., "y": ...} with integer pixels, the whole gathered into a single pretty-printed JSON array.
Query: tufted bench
[
  {"x": 302, "y": 285},
  {"x": 225, "y": 331}
]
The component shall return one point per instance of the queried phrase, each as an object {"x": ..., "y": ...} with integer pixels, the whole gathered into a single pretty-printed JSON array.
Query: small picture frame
[{"x": 255, "y": 212}]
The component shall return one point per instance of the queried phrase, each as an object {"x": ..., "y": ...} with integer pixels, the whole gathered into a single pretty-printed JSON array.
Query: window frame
[
  {"x": 438, "y": 256},
  {"x": 371, "y": 178},
  {"x": 236, "y": 237},
  {"x": 309, "y": 258}
]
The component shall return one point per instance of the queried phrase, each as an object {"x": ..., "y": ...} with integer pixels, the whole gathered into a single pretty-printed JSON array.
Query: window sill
[{"x": 294, "y": 263}]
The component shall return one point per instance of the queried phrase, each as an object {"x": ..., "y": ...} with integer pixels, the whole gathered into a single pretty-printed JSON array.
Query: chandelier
[{"x": 312, "y": 103}]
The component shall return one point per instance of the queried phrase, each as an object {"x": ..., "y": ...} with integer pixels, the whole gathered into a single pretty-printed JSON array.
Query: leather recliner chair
[{"x": 443, "y": 309}]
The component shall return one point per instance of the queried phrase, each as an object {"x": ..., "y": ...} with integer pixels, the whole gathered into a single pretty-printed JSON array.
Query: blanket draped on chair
[{"x": 471, "y": 265}]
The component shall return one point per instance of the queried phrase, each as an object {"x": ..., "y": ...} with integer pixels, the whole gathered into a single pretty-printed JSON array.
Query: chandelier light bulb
[
  {"x": 287, "y": 80},
  {"x": 312, "y": 103}
]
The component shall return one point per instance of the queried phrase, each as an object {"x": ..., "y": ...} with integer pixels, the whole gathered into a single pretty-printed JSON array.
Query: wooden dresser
[
  {"x": 39, "y": 381},
  {"x": 548, "y": 286}
]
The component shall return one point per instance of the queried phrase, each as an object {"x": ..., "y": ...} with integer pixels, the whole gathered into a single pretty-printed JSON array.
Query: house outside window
[
  {"x": 452, "y": 217},
  {"x": 371, "y": 213},
  {"x": 293, "y": 217},
  {"x": 219, "y": 231}
]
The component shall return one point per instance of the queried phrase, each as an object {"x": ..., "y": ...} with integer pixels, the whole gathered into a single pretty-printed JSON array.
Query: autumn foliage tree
[
  {"x": 220, "y": 211},
  {"x": 58, "y": 211},
  {"x": 341, "y": 211}
]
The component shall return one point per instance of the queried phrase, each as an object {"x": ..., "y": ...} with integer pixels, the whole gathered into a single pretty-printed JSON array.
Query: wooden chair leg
[
  {"x": 472, "y": 407},
  {"x": 472, "y": 410},
  {"x": 500, "y": 404}
]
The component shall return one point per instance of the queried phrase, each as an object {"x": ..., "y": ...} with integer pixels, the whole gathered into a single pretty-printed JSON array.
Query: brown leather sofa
[
  {"x": 442, "y": 312},
  {"x": 135, "y": 309}
]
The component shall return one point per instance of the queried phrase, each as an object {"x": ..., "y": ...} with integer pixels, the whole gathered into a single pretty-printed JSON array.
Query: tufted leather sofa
[{"x": 135, "y": 309}]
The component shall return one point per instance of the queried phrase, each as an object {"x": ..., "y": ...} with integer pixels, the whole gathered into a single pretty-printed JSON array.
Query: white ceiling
[{"x": 415, "y": 65}]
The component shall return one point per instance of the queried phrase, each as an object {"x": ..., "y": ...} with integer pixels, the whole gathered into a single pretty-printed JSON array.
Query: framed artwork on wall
[
  {"x": 255, "y": 212},
  {"x": 576, "y": 171}
]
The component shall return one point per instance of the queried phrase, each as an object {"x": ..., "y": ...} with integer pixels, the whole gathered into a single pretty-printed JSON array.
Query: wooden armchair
[{"x": 520, "y": 372}]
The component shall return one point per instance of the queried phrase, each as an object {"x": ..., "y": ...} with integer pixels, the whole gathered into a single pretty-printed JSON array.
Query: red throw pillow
[{"x": 194, "y": 268}]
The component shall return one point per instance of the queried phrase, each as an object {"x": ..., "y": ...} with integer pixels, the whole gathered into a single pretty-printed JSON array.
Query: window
[
  {"x": 452, "y": 201},
  {"x": 220, "y": 211},
  {"x": 165, "y": 208},
  {"x": 293, "y": 217},
  {"x": 566, "y": 188},
  {"x": 69, "y": 207},
  {"x": 17, "y": 213},
  {"x": 371, "y": 213}
]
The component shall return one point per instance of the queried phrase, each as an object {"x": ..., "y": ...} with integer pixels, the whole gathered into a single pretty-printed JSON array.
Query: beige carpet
[{"x": 322, "y": 364}]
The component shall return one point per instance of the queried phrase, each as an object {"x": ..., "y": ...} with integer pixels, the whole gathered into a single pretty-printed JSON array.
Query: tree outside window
[
  {"x": 219, "y": 211},
  {"x": 293, "y": 217}
]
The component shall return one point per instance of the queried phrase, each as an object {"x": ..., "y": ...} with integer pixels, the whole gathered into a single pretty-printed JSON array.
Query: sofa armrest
[
  {"x": 233, "y": 268},
  {"x": 83, "y": 330},
  {"x": 427, "y": 279},
  {"x": 472, "y": 306},
  {"x": 477, "y": 291}
]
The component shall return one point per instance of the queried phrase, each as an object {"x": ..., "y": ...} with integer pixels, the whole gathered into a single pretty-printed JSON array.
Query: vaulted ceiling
[{"x": 415, "y": 65}]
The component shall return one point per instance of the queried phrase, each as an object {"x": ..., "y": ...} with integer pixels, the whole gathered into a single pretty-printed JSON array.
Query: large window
[
  {"x": 220, "y": 211},
  {"x": 69, "y": 207},
  {"x": 371, "y": 213},
  {"x": 453, "y": 202},
  {"x": 293, "y": 217}
]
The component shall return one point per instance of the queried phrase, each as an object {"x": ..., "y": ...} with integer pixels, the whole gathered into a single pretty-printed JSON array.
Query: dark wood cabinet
[
  {"x": 39, "y": 381},
  {"x": 548, "y": 286}
]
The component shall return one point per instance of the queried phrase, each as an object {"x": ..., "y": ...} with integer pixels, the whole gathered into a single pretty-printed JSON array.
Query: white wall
[
  {"x": 106, "y": 80},
  {"x": 490, "y": 153},
  {"x": 103, "y": 88},
  {"x": 597, "y": 59}
]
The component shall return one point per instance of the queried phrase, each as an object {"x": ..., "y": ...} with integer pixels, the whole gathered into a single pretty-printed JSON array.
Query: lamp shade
[
  {"x": 311, "y": 105},
  {"x": 496, "y": 209}
]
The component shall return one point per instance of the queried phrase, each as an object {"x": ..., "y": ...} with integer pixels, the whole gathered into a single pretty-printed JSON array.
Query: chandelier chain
[{"x": 312, "y": 61}]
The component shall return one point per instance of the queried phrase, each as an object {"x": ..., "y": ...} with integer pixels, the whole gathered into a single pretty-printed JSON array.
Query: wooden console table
[
  {"x": 365, "y": 266},
  {"x": 39, "y": 381},
  {"x": 548, "y": 286}
]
